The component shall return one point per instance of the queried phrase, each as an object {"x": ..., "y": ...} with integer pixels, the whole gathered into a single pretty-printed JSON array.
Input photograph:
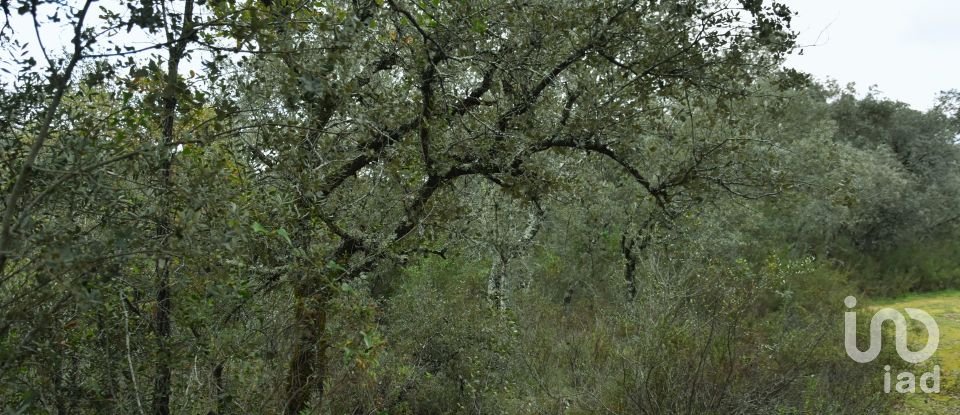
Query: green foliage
[
  {"x": 449, "y": 207},
  {"x": 921, "y": 266},
  {"x": 729, "y": 338}
]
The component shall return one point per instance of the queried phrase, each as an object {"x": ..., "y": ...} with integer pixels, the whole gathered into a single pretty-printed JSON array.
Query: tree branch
[{"x": 61, "y": 81}]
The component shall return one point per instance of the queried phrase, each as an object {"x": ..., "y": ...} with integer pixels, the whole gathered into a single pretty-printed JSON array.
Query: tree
[
  {"x": 405, "y": 103},
  {"x": 220, "y": 221},
  {"x": 922, "y": 145}
]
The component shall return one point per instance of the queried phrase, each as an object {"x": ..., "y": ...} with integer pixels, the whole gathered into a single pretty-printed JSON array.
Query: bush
[{"x": 701, "y": 337}]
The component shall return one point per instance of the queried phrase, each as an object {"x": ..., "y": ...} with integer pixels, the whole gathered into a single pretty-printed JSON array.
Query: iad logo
[{"x": 906, "y": 381}]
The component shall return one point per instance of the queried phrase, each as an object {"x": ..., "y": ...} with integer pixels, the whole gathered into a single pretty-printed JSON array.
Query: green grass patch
[{"x": 945, "y": 309}]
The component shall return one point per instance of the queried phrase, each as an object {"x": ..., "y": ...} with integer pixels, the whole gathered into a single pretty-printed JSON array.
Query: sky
[{"x": 910, "y": 49}]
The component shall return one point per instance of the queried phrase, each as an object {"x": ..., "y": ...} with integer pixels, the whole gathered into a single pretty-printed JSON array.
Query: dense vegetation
[{"x": 390, "y": 206}]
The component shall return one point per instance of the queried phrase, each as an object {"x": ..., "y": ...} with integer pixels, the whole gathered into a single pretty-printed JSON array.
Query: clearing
[{"x": 945, "y": 309}]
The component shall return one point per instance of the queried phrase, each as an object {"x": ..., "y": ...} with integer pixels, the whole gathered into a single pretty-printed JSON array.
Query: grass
[{"x": 944, "y": 306}]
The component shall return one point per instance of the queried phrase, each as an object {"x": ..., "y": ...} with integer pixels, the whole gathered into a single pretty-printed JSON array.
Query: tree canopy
[{"x": 395, "y": 206}]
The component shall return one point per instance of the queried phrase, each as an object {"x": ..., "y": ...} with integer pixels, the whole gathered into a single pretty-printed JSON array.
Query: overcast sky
[{"x": 909, "y": 49}]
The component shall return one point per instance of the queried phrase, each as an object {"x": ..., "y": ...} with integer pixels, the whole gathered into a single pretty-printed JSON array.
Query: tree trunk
[
  {"x": 308, "y": 365},
  {"x": 161, "y": 380},
  {"x": 628, "y": 246},
  {"x": 629, "y": 266},
  {"x": 220, "y": 390},
  {"x": 496, "y": 281},
  {"x": 162, "y": 323}
]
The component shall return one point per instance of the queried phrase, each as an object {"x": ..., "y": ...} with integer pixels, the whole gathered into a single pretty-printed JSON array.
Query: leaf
[
  {"x": 479, "y": 26},
  {"x": 335, "y": 266},
  {"x": 286, "y": 237},
  {"x": 258, "y": 228}
]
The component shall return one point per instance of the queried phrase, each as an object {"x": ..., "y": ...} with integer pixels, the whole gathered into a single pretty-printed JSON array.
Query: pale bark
[{"x": 497, "y": 279}]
